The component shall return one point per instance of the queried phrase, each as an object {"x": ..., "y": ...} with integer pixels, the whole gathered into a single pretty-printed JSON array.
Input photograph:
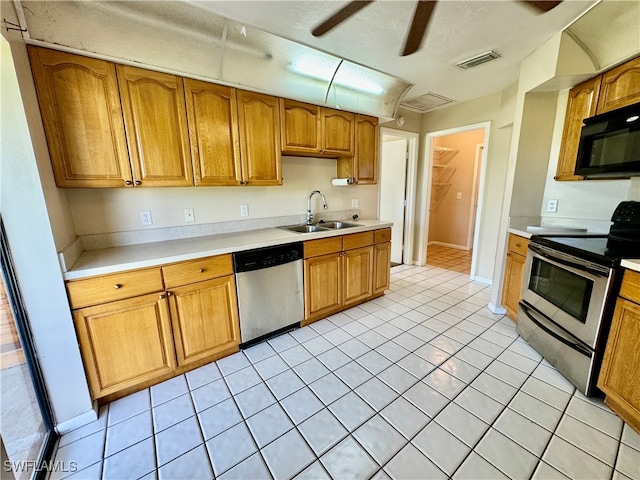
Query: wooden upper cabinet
[
  {"x": 300, "y": 127},
  {"x": 620, "y": 86},
  {"x": 259, "y": 120},
  {"x": 156, "y": 124},
  {"x": 583, "y": 100},
  {"x": 82, "y": 119},
  {"x": 365, "y": 160},
  {"x": 338, "y": 132},
  {"x": 212, "y": 114}
]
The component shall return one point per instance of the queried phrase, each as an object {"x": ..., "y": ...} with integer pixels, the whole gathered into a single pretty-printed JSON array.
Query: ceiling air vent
[
  {"x": 426, "y": 102},
  {"x": 478, "y": 60}
]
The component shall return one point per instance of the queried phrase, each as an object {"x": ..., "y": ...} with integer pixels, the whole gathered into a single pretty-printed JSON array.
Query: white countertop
[
  {"x": 118, "y": 259},
  {"x": 631, "y": 264}
]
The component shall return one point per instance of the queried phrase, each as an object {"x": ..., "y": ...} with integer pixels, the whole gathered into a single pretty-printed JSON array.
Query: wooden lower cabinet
[
  {"x": 323, "y": 285},
  {"x": 381, "y": 267},
  {"x": 620, "y": 374},
  {"x": 357, "y": 276},
  {"x": 130, "y": 338},
  {"x": 205, "y": 319},
  {"x": 340, "y": 272},
  {"x": 513, "y": 272},
  {"x": 126, "y": 342}
]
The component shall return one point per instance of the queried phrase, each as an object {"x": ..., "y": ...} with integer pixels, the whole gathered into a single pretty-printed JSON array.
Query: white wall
[
  {"x": 30, "y": 237},
  {"x": 118, "y": 210},
  {"x": 497, "y": 109}
]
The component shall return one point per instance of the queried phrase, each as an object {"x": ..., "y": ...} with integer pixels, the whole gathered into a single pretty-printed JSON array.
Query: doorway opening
[
  {"x": 396, "y": 203},
  {"x": 454, "y": 178}
]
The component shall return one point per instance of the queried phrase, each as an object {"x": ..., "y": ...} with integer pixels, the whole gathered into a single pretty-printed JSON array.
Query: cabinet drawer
[
  {"x": 357, "y": 240},
  {"x": 118, "y": 286},
  {"x": 518, "y": 244},
  {"x": 207, "y": 268},
  {"x": 630, "y": 288},
  {"x": 313, "y": 248},
  {"x": 382, "y": 236}
]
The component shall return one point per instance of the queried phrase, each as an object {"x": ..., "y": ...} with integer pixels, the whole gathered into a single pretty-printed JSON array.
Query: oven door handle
[
  {"x": 576, "y": 346},
  {"x": 578, "y": 266}
]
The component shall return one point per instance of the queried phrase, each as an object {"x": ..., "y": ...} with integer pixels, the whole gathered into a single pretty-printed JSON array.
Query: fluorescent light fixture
[{"x": 326, "y": 71}]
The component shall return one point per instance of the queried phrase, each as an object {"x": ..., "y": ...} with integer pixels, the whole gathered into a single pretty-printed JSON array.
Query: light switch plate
[{"x": 355, "y": 203}]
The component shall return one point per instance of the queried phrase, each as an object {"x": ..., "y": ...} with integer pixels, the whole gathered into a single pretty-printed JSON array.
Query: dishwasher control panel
[{"x": 260, "y": 258}]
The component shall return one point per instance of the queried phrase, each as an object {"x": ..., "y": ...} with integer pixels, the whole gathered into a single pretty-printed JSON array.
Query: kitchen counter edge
[
  {"x": 631, "y": 264},
  {"x": 92, "y": 263}
]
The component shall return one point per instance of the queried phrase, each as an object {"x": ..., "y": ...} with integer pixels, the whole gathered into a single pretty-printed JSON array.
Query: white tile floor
[{"x": 422, "y": 383}]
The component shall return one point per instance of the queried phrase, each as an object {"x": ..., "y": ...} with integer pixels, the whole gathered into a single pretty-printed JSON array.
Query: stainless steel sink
[
  {"x": 319, "y": 227},
  {"x": 305, "y": 228},
  {"x": 338, "y": 225}
]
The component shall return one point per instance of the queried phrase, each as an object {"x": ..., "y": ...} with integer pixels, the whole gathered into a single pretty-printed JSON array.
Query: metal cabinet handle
[
  {"x": 509, "y": 254},
  {"x": 128, "y": 182},
  {"x": 518, "y": 245},
  {"x": 161, "y": 296},
  {"x": 138, "y": 182},
  {"x": 202, "y": 270},
  {"x": 117, "y": 286}
]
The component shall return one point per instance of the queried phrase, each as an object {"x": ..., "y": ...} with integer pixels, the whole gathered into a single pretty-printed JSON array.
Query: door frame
[
  {"x": 429, "y": 140},
  {"x": 477, "y": 161},
  {"x": 413, "y": 140}
]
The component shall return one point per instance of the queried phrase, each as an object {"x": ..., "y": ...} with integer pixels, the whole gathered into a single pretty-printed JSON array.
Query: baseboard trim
[
  {"x": 485, "y": 281},
  {"x": 450, "y": 245},
  {"x": 495, "y": 309},
  {"x": 78, "y": 421}
]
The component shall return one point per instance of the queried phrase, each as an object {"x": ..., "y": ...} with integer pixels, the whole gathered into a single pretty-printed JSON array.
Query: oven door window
[{"x": 564, "y": 289}]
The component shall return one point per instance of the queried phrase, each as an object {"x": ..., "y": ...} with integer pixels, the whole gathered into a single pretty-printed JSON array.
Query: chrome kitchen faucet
[{"x": 324, "y": 204}]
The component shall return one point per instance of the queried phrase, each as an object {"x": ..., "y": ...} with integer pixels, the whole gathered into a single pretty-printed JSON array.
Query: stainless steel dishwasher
[{"x": 270, "y": 290}]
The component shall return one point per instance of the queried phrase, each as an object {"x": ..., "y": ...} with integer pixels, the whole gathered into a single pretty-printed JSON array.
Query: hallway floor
[
  {"x": 449, "y": 258},
  {"x": 424, "y": 382}
]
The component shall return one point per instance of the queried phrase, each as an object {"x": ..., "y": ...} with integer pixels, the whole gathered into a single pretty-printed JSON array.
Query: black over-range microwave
[{"x": 610, "y": 144}]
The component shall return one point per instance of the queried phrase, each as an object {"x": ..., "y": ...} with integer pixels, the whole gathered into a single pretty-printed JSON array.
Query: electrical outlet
[
  {"x": 145, "y": 218},
  {"x": 189, "y": 216},
  {"x": 244, "y": 210},
  {"x": 552, "y": 206},
  {"x": 355, "y": 203}
]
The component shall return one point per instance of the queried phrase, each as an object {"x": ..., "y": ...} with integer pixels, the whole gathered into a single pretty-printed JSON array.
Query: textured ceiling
[{"x": 458, "y": 30}]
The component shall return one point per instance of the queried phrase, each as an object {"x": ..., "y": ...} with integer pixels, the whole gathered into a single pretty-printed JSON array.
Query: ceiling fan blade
[
  {"x": 418, "y": 28},
  {"x": 542, "y": 6},
  {"x": 340, "y": 16}
]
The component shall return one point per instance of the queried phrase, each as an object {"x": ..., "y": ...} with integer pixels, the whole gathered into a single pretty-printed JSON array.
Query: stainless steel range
[{"x": 569, "y": 292}]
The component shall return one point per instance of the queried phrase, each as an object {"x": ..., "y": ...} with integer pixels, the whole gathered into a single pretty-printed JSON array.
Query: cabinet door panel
[
  {"x": 300, "y": 127},
  {"x": 381, "y": 267},
  {"x": 338, "y": 130},
  {"x": 620, "y": 87},
  {"x": 323, "y": 285},
  {"x": 213, "y": 133},
  {"x": 205, "y": 319},
  {"x": 82, "y": 119},
  {"x": 366, "y": 153},
  {"x": 125, "y": 343},
  {"x": 259, "y": 117},
  {"x": 582, "y": 103},
  {"x": 156, "y": 123},
  {"x": 358, "y": 275},
  {"x": 620, "y": 374},
  {"x": 513, "y": 271}
]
